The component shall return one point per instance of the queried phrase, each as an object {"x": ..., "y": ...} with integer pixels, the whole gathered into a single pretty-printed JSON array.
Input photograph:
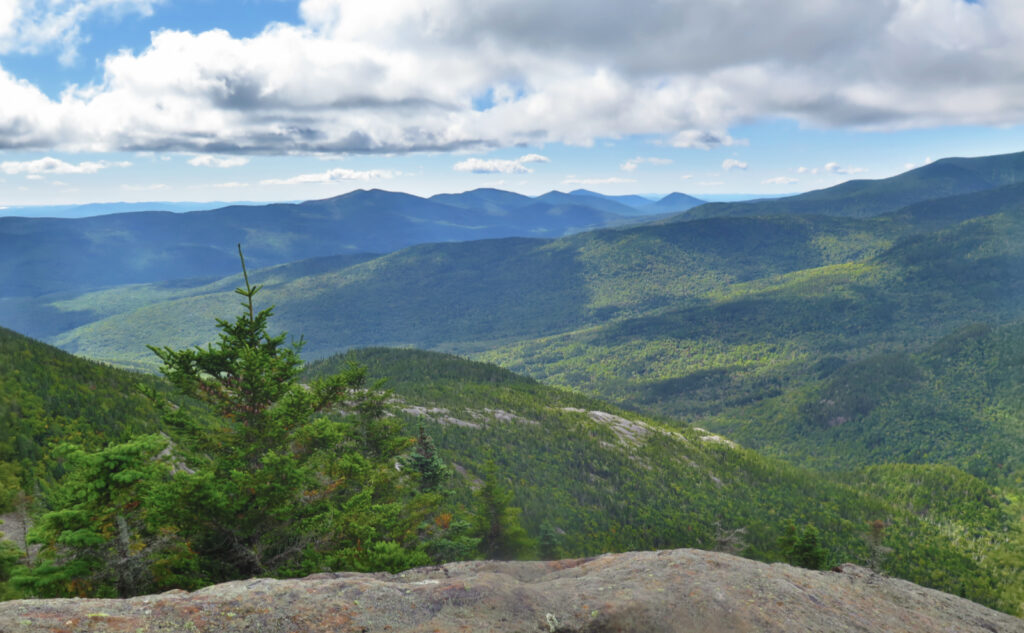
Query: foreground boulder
[{"x": 674, "y": 590}]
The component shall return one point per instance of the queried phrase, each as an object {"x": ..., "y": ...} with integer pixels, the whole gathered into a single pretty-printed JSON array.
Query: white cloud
[
  {"x": 500, "y": 166},
  {"x": 613, "y": 180},
  {"x": 702, "y": 139},
  {"x": 779, "y": 180},
  {"x": 29, "y": 26},
  {"x": 633, "y": 163},
  {"x": 402, "y": 76},
  {"x": 339, "y": 174},
  {"x": 206, "y": 160},
  {"x": 731, "y": 163},
  {"x": 230, "y": 185},
  {"x": 686, "y": 177},
  {"x": 153, "y": 187},
  {"x": 51, "y": 165},
  {"x": 836, "y": 168}
]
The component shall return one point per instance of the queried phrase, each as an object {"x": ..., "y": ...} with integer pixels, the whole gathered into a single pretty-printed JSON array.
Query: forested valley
[{"x": 836, "y": 377}]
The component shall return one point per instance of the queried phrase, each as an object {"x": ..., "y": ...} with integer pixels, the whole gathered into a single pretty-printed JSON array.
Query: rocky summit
[{"x": 679, "y": 591}]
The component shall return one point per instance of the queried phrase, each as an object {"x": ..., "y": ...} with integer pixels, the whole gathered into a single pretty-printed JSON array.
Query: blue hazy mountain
[
  {"x": 673, "y": 203},
  {"x": 637, "y": 202},
  {"x": 495, "y": 201},
  {"x": 106, "y": 208},
  {"x": 46, "y": 255},
  {"x": 865, "y": 198}
]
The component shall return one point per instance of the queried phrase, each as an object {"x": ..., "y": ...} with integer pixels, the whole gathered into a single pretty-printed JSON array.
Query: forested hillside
[
  {"x": 959, "y": 401},
  {"x": 753, "y": 340},
  {"x": 682, "y": 317},
  {"x": 591, "y": 477},
  {"x": 48, "y": 396},
  {"x": 604, "y": 479},
  {"x": 473, "y": 295}
]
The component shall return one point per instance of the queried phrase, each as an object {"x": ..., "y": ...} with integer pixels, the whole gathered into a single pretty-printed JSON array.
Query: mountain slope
[
  {"x": 634, "y": 201},
  {"x": 863, "y": 198},
  {"x": 475, "y": 295},
  {"x": 957, "y": 402},
  {"x": 50, "y": 315},
  {"x": 611, "y": 480},
  {"x": 48, "y": 396},
  {"x": 682, "y": 316},
  {"x": 608, "y": 480},
  {"x": 48, "y": 255},
  {"x": 603, "y": 203},
  {"x": 637, "y": 310},
  {"x": 106, "y": 208},
  {"x": 674, "y": 203},
  {"x": 750, "y": 341}
]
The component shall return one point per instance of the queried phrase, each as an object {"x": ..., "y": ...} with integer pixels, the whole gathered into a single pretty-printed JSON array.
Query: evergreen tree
[
  {"x": 802, "y": 548},
  {"x": 497, "y": 521},
  {"x": 548, "y": 544},
  {"x": 425, "y": 461},
  {"x": 102, "y": 539},
  {"x": 279, "y": 487},
  {"x": 280, "y": 479}
]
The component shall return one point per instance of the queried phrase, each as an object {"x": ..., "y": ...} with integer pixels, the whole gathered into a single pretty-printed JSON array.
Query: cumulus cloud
[
  {"x": 500, "y": 166},
  {"x": 612, "y": 180},
  {"x": 633, "y": 163},
  {"x": 206, "y": 160},
  {"x": 30, "y": 26},
  {"x": 731, "y": 163},
  {"x": 339, "y": 174},
  {"x": 49, "y": 165},
  {"x": 779, "y": 180},
  {"x": 702, "y": 139},
  {"x": 836, "y": 168},
  {"x": 440, "y": 75}
]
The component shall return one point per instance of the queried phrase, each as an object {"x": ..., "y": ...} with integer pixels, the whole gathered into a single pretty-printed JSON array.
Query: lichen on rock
[{"x": 678, "y": 591}]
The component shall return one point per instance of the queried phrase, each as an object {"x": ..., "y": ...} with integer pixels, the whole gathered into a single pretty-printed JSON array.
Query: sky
[{"x": 260, "y": 100}]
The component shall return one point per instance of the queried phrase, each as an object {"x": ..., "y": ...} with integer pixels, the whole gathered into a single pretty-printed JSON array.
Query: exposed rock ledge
[{"x": 648, "y": 592}]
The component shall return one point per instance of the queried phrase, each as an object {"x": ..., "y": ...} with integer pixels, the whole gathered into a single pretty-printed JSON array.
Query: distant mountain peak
[{"x": 675, "y": 202}]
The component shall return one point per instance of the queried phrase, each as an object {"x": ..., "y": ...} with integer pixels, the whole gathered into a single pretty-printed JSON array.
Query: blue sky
[{"x": 128, "y": 100}]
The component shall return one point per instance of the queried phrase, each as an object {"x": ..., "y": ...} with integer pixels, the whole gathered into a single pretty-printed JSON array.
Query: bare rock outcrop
[{"x": 684, "y": 591}]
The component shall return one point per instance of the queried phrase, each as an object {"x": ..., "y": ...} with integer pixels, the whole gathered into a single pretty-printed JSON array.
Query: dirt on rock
[{"x": 680, "y": 591}]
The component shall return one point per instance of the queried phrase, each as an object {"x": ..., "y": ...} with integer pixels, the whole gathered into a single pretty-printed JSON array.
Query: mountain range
[
  {"x": 864, "y": 340},
  {"x": 48, "y": 255}
]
